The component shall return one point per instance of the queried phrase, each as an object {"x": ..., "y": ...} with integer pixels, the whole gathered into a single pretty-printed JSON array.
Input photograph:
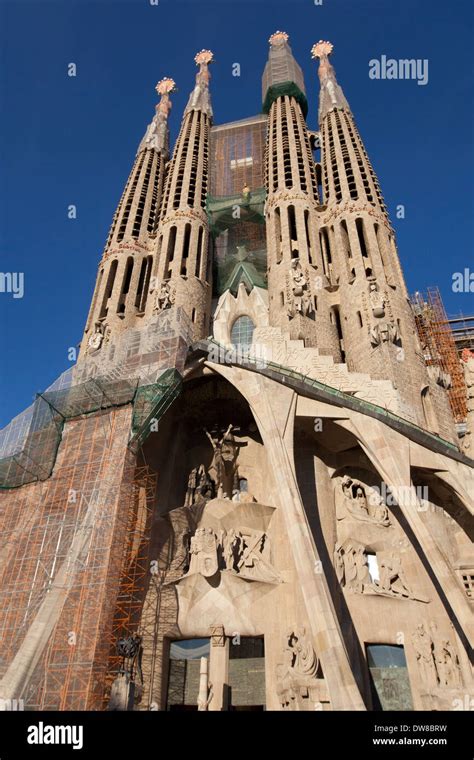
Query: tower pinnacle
[
  {"x": 200, "y": 99},
  {"x": 282, "y": 74},
  {"x": 331, "y": 95},
  {"x": 157, "y": 133}
]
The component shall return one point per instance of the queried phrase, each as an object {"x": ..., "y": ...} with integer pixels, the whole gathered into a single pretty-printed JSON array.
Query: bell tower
[
  {"x": 182, "y": 272},
  {"x": 297, "y": 281},
  {"x": 373, "y": 313},
  {"x": 123, "y": 279}
]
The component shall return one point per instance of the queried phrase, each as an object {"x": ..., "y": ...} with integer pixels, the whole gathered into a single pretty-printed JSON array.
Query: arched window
[{"x": 242, "y": 331}]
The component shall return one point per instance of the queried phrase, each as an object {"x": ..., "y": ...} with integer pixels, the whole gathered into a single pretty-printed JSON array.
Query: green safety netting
[
  {"x": 231, "y": 270},
  {"x": 237, "y": 224},
  {"x": 35, "y": 455},
  {"x": 225, "y": 211},
  {"x": 285, "y": 88},
  {"x": 150, "y": 403}
]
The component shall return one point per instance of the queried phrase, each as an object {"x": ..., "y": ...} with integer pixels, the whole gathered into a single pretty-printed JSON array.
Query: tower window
[
  {"x": 125, "y": 286},
  {"x": 292, "y": 222},
  {"x": 197, "y": 270},
  {"x": 171, "y": 247},
  {"x": 184, "y": 260},
  {"x": 363, "y": 247},
  {"x": 143, "y": 284},
  {"x": 337, "y": 322},
  {"x": 308, "y": 239},
  {"x": 242, "y": 331},
  {"x": 278, "y": 235},
  {"x": 108, "y": 289}
]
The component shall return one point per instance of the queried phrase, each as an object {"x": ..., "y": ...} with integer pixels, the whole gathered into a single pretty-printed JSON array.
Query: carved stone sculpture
[
  {"x": 351, "y": 566},
  {"x": 244, "y": 552},
  {"x": 165, "y": 297},
  {"x": 392, "y": 579},
  {"x": 377, "y": 301},
  {"x": 297, "y": 675},
  {"x": 96, "y": 339},
  {"x": 384, "y": 332},
  {"x": 423, "y": 646},
  {"x": 200, "y": 486},
  {"x": 298, "y": 291},
  {"x": 224, "y": 462},
  {"x": 356, "y": 504},
  {"x": 352, "y": 571},
  {"x": 203, "y": 553},
  {"x": 437, "y": 660}
]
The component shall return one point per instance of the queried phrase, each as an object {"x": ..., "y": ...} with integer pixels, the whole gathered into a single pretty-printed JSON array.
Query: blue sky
[{"x": 71, "y": 140}]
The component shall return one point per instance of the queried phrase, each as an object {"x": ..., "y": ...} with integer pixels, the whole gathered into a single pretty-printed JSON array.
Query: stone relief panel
[
  {"x": 356, "y": 500},
  {"x": 298, "y": 676},
  {"x": 101, "y": 335},
  {"x": 437, "y": 659},
  {"x": 165, "y": 297},
  {"x": 351, "y": 562},
  {"x": 298, "y": 291},
  {"x": 242, "y": 551}
]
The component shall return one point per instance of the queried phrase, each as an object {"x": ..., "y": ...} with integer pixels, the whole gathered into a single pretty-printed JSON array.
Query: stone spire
[
  {"x": 182, "y": 271},
  {"x": 298, "y": 302},
  {"x": 282, "y": 74},
  {"x": 200, "y": 99},
  {"x": 371, "y": 309},
  {"x": 157, "y": 133},
  {"x": 331, "y": 95},
  {"x": 123, "y": 279}
]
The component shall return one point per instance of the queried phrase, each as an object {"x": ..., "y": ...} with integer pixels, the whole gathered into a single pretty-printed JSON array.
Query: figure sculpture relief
[
  {"x": 356, "y": 504},
  {"x": 96, "y": 339},
  {"x": 352, "y": 571},
  {"x": 224, "y": 464},
  {"x": 203, "y": 553},
  {"x": 200, "y": 486},
  {"x": 165, "y": 297},
  {"x": 392, "y": 578},
  {"x": 297, "y": 675},
  {"x": 299, "y": 293},
  {"x": 437, "y": 660},
  {"x": 377, "y": 301},
  {"x": 351, "y": 566},
  {"x": 385, "y": 332},
  {"x": 244, "y": 552}
]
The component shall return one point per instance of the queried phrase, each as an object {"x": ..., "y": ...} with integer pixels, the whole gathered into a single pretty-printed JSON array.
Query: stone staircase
[{"x": 271, "y": 344}]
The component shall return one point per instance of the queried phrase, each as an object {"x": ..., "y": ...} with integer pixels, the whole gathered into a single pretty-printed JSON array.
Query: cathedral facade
[{"x": 249, "y": 492}]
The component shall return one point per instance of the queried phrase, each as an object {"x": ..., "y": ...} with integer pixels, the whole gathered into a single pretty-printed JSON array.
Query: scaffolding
[
  {"x": 462, "y": 328},
  {"x": 74, "y": 563},
  {"x": 235, "y": 204},
  {"x": 439, "y": 346}
]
